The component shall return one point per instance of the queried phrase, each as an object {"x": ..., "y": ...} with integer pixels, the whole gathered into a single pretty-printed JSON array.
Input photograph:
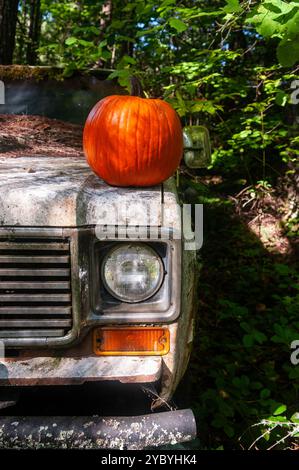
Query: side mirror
[{"x": 197, "y": 146}]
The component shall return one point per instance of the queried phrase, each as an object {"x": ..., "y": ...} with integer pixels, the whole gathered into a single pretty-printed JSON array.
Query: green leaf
[
  {"x": 69, "y": 70},
  {"x": 177, "y": 24},
  {"x": 105, "y": 54},
  {"x": 259, "y": 337},
  {"x": 281, "y": 98},
  {"x": 248, "y": 341},
  {"x": 229, "y": 430},
  {"x": 84, "y": 43},
  {"x": 281, "y": 409},
  {"x": 165, "y": 5},
  {"x": 265, "y": 393},
  {"x": 70, "y": 41},
  {"x": 129, "y": 60},
  {"x": 226, "y": 409},
  {"x": 123, "y": 76},
  {"x": 288, "y": 51},
  {"x": 233, "y": 6},
  {"x": 245, "y": 326},
  {"x": 282, "y": 269},
  {"x": 272, "y": 7},
  {"x": 268, "y": 27}
]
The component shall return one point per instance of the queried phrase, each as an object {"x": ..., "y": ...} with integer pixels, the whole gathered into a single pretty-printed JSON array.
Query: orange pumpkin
[{"x": 133, "y": 141}]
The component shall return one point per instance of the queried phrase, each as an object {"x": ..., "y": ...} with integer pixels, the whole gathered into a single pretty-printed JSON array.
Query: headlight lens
[{"x": 132, "y": 272}]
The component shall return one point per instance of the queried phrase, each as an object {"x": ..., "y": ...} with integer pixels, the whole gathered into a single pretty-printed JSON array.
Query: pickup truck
[{"x": 96, "y": 284}]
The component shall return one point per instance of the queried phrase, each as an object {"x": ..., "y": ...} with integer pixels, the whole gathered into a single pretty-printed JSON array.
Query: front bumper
[
  {"x": 77, "y": 370},
  {"x": 67, "y": 432}
]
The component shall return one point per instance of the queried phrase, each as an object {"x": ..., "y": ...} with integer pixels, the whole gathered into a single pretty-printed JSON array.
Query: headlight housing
[{"x": 132, "y": 272}]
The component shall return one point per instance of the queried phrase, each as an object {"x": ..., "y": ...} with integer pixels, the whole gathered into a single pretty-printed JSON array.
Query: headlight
[{"x": 132, "y": 272}]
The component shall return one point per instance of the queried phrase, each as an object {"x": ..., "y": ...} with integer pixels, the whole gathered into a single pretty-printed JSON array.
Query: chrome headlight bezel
[{"x": 164, "y": 305}]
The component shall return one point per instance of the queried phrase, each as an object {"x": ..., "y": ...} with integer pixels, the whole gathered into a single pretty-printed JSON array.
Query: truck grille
[{"x": 35, "y": 288}]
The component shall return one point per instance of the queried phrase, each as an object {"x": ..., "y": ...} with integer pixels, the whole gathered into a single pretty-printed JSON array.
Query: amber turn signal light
[{"x": 131, "y": 341}]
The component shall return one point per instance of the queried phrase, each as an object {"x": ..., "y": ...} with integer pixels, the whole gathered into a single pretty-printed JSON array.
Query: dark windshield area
[{"x": 46, "y": 92}]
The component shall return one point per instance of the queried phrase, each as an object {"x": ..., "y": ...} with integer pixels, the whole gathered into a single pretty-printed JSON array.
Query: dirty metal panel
[
  {"x": 70, "y": 370},
  {"x": 59, "y": 191}
]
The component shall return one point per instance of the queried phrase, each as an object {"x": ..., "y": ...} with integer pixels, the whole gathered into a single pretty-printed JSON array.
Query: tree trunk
[
  {"x": 34, "y": 32},
  {"x": 22, "y": 32},
  {"x": 8, "y": 22}
]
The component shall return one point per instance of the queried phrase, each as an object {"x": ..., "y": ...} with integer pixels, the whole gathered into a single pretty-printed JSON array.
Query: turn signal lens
[{"x": 131, "y": 341}]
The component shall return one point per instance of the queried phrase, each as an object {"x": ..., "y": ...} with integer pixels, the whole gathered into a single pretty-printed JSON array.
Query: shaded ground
[{"x": 240, "y": 372}]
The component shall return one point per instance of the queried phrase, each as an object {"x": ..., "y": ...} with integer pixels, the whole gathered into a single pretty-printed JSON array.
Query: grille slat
[
  {"x": 30, "y": 333},
  {"x": 16, "y": 259},
  {"x": 34, "y": 272},
  {"x": 13, "y": 246},
  {"x": 34, "y": 323},
  {"x": 35, "y": 287},
  {"x": 20, "y": 285},
  {"x": 35, "y": 310},
  {"x": 32, "y": 298}
]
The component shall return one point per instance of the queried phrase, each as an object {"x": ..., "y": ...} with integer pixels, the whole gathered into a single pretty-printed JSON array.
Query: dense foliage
[
  {"x": 232, "y": 65},
  {"x": 227, "y": 63}
]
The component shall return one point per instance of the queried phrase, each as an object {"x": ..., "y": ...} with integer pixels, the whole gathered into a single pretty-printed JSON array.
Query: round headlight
[{"x": 132, "y": 272}]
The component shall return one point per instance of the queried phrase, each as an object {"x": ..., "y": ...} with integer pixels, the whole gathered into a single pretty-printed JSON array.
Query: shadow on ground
[{"x": 240, "y": 371}]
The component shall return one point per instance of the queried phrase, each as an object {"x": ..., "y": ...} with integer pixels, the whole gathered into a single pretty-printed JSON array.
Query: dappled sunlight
[{"x": 268, "y": 230}]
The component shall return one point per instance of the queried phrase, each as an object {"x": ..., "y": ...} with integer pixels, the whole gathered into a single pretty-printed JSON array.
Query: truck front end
[{"x": 91, "y": 290}]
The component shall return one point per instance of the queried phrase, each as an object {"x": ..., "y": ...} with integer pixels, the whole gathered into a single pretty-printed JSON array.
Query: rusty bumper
[
  {"x": 71, "y": 370},
  {"x": 67, "y": 432}
]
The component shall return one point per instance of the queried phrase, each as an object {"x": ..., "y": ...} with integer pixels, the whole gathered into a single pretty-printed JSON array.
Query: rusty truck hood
[{"x": 62, "y": 192}]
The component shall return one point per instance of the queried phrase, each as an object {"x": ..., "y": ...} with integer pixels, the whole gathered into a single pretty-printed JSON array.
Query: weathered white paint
[
  {"x": 56, "y": 192},
  {"x": 68, "y": 370}
]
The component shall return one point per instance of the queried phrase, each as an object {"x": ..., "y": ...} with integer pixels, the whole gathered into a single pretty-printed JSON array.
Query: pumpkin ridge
[
  {"x": 153, "y": 140},
  {"x": 163, "y": 120},
  {"x": 160, "y": 134},
  {"x": 118, "y": 141},
  {"x": 127, "y": 113},
  {"x": 148, "y": 140},
  {"x": 97, "y": 110},
  {"x": 110, "y": 162},
  {"x": 98, "y": 137},
  {"x": 172, "y": 136},
  {"x": 122, "y": 166},
  {"x": 136, "y": 136},
  {"x": 99, "y": 140},
  {"x": 117, "y": 161}
]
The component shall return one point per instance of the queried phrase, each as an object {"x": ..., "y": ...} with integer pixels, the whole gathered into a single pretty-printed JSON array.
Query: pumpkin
[{"x": 133, "y": 141}]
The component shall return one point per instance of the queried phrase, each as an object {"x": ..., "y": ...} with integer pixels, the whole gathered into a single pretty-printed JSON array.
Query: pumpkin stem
[{"x": 136, "y": 87}]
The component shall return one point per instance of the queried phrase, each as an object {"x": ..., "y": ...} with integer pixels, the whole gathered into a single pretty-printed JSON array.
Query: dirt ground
[{"x": 22, "y": 135}]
